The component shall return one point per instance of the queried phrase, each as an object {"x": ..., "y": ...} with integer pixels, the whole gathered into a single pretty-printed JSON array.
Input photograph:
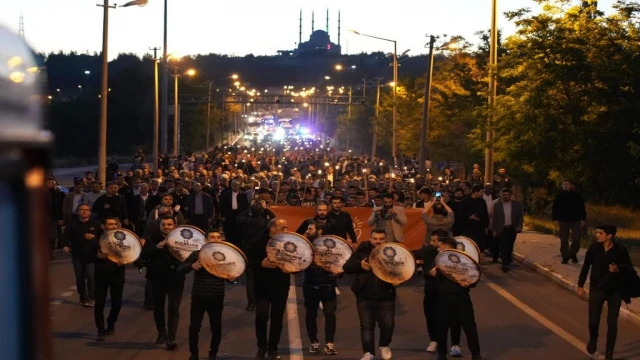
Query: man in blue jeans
[
  {"x": 376, "y": 299},
  {"x": 79, "y": 241}
]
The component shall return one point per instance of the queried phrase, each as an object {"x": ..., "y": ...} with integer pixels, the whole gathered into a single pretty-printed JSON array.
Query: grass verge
[{"x": 627, "y": 222}]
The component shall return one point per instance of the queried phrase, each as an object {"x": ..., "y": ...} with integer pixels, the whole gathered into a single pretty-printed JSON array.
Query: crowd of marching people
[{"x": 228, "y": 193}]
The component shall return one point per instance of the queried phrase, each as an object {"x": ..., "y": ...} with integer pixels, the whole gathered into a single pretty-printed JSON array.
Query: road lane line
[
  {"x": 581, "y": 346},
  {"x": 293, "y": 324},
  {"x": 66, "y": 294}
]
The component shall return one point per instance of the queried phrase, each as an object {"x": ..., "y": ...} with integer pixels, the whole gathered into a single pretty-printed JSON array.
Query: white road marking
[
  {"x": 66, "y": 294},
  {"x": 321, "y": 306},
  {"x": 74, "y": 287},
  {"x": 337, "y": 291},
  {"x": 581, "y": 346},
  {"x": 293, "y": 324}
]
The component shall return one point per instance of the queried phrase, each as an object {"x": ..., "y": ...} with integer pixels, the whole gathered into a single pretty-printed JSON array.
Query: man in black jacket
[
  {"x": 570, "y": 213},
  {"x": 166, "y": 283},
  {"x": 109, "y": 278},
  {"x": 341, "y": 222},
  {"x": 454, "y": 306},
  {"x": 319, "y": 285},
  {"x": 376, "y": 299},
  {"x": 271, "y": 289},
  {"x": 475, "y": 217},
  {"x": 78, "y": 237},
  {"x": 207, "y": 296},
  {"x": 254, "y": 221},
  {"x": 321, "y": 218},
  {"x": 608, "y": 261},
  {"x": 111, "y": 204},
  {"x": 427, "y": 255}
]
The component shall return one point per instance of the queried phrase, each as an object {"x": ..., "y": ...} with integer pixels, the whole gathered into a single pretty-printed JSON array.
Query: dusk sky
[{"x": 251, "y": 26}]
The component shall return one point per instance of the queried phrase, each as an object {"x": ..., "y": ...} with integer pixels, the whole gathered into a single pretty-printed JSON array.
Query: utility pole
[
  {"x": 104, "y": 91},
  {"x": 165, "y": 88},
  {"x": 395, "y": 93},
  {"x": 176, "y": 117},
  {"x": 493, "y": 67},
  {"x": 424, "y": 134},
  {"x": 156, "y": 105},
  {"x": 349, "y": 120},
  {"x": 374, "y": 142},
  {"x": 208, "y": 113}
]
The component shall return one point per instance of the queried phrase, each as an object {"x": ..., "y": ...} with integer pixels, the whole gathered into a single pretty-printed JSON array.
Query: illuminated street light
[
  {"x": 338, "y": 67},
  {"x": 234, "y": 76}
]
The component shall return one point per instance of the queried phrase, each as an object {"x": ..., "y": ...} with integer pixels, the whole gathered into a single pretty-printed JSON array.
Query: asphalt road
[{"x": 520, "y": 316}]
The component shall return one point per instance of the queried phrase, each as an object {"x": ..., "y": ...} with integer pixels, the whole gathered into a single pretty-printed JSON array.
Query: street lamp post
[
  {"x": 394, "y": 149},
  {"x": 104, "y": 91},
  {"x": 493, "y": 67},
  {"x": 425, "y": 109},
  {"x": 165, "y": 87},
  {"x": 156, "y": 105},
  {"x": 176, "y": 111}
]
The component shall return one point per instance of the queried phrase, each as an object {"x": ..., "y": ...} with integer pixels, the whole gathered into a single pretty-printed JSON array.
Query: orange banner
[{"x": 414, "y": 231}]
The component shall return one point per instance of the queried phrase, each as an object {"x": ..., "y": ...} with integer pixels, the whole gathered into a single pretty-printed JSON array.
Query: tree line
[{"x": 567, "y": 106}]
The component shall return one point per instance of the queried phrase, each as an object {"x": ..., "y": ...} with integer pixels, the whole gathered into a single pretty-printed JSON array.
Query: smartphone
[{"x": 438, "y": 194}]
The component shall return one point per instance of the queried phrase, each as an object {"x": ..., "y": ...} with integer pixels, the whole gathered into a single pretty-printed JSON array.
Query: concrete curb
[{"x": 569, "y": 285}]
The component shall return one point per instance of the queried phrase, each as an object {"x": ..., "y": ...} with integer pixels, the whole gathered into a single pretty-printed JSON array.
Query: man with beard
[
  {"x": 390, "y": 218},
  {"x": 318, "y": 286},
  {"x": 456, "y": 205},
  {"x": 476, "y": 217},
  {"x": 375, "y": 298},
  {"x": 271, "y": 290},
  {"x": 111, "y": 204},
  {"x": 341, "y": 222},
  {"x": 109, "y": 278},
  {"x": 166, "y": 282},
  {"x": 321, "y": 218}
]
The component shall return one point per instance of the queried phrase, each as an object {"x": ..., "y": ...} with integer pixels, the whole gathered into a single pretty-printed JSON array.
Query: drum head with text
[
  {"x": 468, "y": 246},
  {"x": 223, "y": 260},
  {"x": 291, "y": 252},
  {"x": 331, "y": 253},
  {"x": 392, "y": 262},
  {"x": 184, "y": 240},
  {"x": 458, "y": 266},
  {"x": 121, "y": 245}
]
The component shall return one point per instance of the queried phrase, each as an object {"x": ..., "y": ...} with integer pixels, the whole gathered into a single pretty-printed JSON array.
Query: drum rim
[
  {"x": 106, "y": 237},
  {"x": 403, "y": 246},
  {"x": 300, "y": 236},
  {"x": 246, "y": 260},
  {"x": 467, "y": 255},
  {"x": 474, "y": 244},
  {"x": 332, "y": 236}
]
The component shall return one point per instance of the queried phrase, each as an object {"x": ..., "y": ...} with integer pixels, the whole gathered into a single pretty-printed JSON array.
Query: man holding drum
[
  {"x": 271, "y": 290},
  {"x": 109, "y": 277},
  {"x": 166, "y": 283},
  {"x": 207, "y": 296},
  {"x": 375, "y": 298},
  {"x": 319, "y": 286}
]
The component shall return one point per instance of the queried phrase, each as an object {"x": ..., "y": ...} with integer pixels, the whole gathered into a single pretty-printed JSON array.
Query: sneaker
[
  {"x": 172, "y": 345},
  {"x": 82, "y": 302},
  {"x": 433, "y": 347},
  {"x": 455, "y": 351},
  {"x": 89, "y": 303},
  {"x": 565, "y": 261},
  {"x": 111, "y": 329},
  {"x": 367, "y": 356},
  {"x": 314, "y": 348},
  {"x": 385, "y": 352},
  {"x": 574, "y": 259},
  {"x": 101, "y": 336},
  {"x": 592, "y": 346},
  {"x": 330, "y": 349},
  {"x": 161, "y": 339},
  {"x": 273, "y": 355}
]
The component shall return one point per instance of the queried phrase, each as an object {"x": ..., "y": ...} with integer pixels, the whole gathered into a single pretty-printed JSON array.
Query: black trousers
[
  {"x": 112, "y": 282},
  {"x": 312, "y": 298},
  {"x": 148, "y": 294},
  {"x": 371, "y": 312},
  {"x": 452, "y": 308},
  {"x": 576, "y": 233},
  {"x": 494, "y": 245},
  {"x": 213, "y": 307},
  {"x": 162, "y": 291},
  {"x": 430, "y": 306},
  {"x": 250, "y": 285},
  {"x": 507, "y": 239},
  {"x": 271, "y": 302},
  {"x": 596, "y": 301}
]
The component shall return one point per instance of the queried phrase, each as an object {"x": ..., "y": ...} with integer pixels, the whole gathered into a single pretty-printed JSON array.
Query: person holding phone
[
  {"x": 441, "y": 218},
  {"x": 607, "y": 260}
]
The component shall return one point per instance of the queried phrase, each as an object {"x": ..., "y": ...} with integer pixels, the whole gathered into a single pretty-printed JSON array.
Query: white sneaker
[
  {"x": 367, "y": 356},
  {"x": 455, "y": 351},
  {"x": 433, "y": 347},
  {"x": 385, "y": 352}
]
